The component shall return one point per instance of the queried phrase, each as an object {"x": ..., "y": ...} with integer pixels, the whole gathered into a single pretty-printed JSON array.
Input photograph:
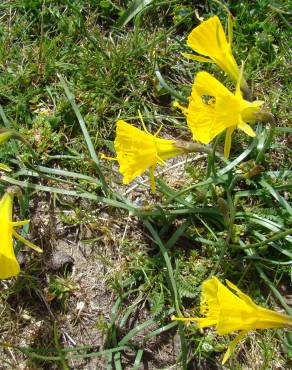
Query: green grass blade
[
  {"x": 277, "y": 196},
  {"x": 284, "y": 129},
  {"x": 161, "y": 330},
  {"x": 132, "y": 333},
  {"x": 267, "y": 260},
  {"x": 173, "y": 288},
  {"x": 85, "y": 132},
  {"x": 135, "y": 7},
  {"x": 138, "y": 359},
  {"x": 264, "y": 277},
  {"x": 59, "y": 349},
  {"x": 117, "y": 360},
  {"x": 176, "y": 235},
  {"x": 270, "y": 241},
  {"x": 54, "y": 171},
  {"x": 268, "y": 224},
  {"x": 32, "y": 353},
  {"x": 239, "y": 159},
  {"x": 86, "y": 195},
  {"x": 8, "y": 126},
  {"x": 166, "y": 86}
]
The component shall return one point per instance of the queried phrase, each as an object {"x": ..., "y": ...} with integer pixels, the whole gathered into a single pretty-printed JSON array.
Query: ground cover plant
[{"x": 122, "y": 253}]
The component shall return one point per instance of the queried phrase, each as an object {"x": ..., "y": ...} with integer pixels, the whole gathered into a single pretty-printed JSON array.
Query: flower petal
[
  {"x": 206, "y": 84},
  {"x": 208, "y": 38},
  {"x": 227, "y": 144},
  {"x": 20, "y": 223},
  {"x": 246, "y": 128},
  {"x": 27, "y": 242},
  {"x": 232, "y": 345},
  {"x": 197, "y": 58},
  {"x": 9, "y": 266}
]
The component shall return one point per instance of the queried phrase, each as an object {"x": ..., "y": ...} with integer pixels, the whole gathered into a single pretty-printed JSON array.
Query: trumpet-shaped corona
[
  {"x": 230, "y": 310},
  {"x": 209, "y": 39},
  {"x": 9, "y": 265},
  {"x": 139, "y": 150},
  {"x": 213, "y": 109}
]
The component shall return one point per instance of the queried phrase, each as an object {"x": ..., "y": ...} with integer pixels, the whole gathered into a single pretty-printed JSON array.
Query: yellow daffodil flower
[
  {"x": 230, "y": 310},
  {"x": 209, "y": 39},
  {"x": 9, "y": 265},
  {"x": 138, "y": 150},
  {"x": 213, "y": 109}
]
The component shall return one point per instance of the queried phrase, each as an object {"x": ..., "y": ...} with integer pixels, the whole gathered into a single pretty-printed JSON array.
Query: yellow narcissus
[
  {"x": 213, "y": 109},
  {"x": 139, "y": 150},
  {"x": 9, "y": 265},
  {"x": 209, "y": 39},
  {"x": 230, "y": 310}
]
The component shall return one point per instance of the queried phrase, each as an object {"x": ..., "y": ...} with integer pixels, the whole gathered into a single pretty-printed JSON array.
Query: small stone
[
  {"x": 86, "y": 249},
  {"x": 60, "y": 260}
]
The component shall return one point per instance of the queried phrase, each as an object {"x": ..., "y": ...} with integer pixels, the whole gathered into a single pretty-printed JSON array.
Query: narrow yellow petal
[
  {"x": 232, "y": 345},
  {"x": 230, "y": 29},
  {"x": 202, "y": 322},
  {"x": 181, "y": 107},
  {"x": 227, "y": 145},
  {"x": 158, "y": 131},
  {"x": 197, "y": 58},
  {"x": 26, "y": 242},
  {"x": 241, "y": 295},
  {"x": 175, "y": 318},
  {"x": 20, "y": 223},
  {"x": 142, "y": 121},
  {"x": 103, "y": 156},
  {"x": 9, "y": 265},
  {"x": 239, "y": 81},
  {"x": 246, "y": 128},
  {"x": 152, "y": 180}
]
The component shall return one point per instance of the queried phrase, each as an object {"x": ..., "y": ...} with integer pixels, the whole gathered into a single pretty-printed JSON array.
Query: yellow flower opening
[
  {"x": 209, "y": 39},
  {"x": 139, "y": 150},
  {"x": 9, "y": 265},
  {"x": 213, "y": 109},
  {"x": 230, "y": 310}
]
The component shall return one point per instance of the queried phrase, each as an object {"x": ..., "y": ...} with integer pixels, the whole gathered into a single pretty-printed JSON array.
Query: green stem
[
  {"x": 235, "y": 179},
  {"x": 85, "y": 132},
  {"x": 232, "y": 208},
  {"x": 277, "y": 236},
  {"x": 261, "y": 155}
]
